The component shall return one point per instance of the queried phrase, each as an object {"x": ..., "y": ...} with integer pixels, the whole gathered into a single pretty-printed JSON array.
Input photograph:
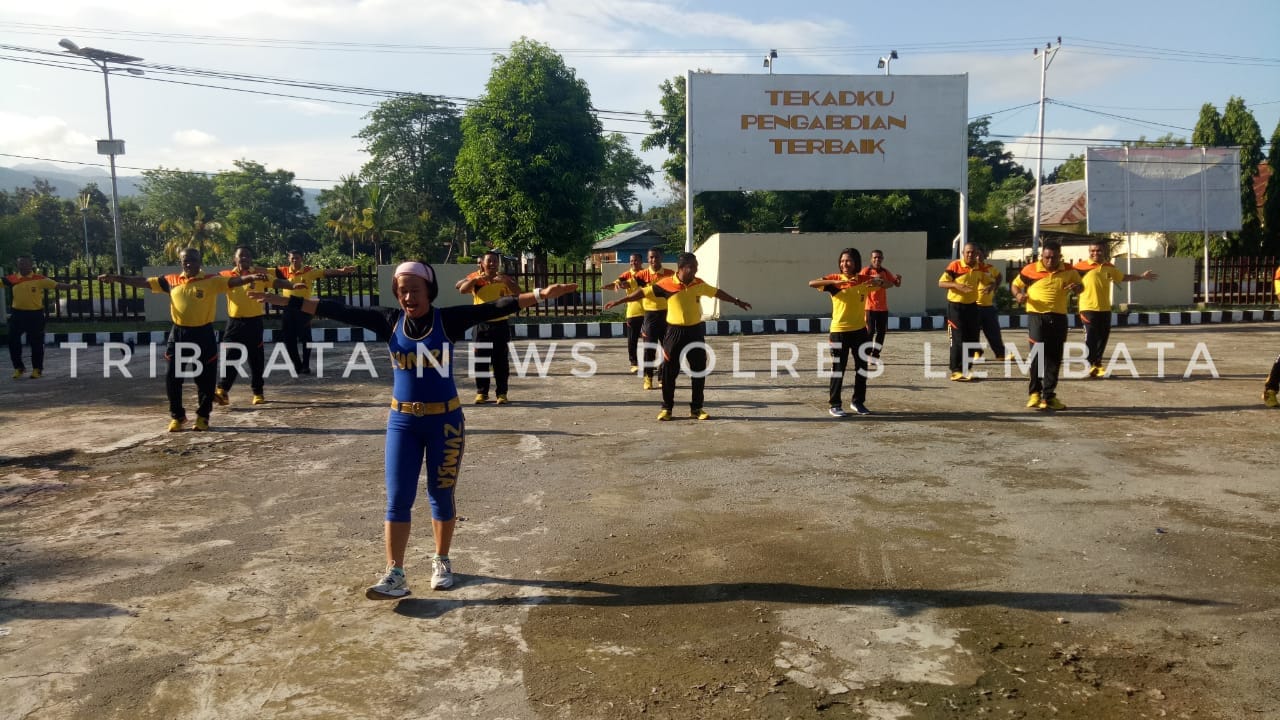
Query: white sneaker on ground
[
  {"x": 837, "y": 411},
  {"x": 441, "y": 574},
  {"x": 393, "y": 585}
]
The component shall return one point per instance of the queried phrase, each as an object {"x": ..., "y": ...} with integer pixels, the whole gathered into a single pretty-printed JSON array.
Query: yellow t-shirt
[
  {"x": 306, "y": 276},
  {"x": 647, "y": 277},
  {"x": 987, "y": 290},
  {"x": 239, "y": 304},
  {"x": 28, "y": 290},
  {"x": 627, "y": 283},
  {"x": 683, "y": 307},
  {"x": 1097, "y": 279},
  {"x": 484, "y": 291},
  {"x": 192, "y": 300},
  {"x": 1046, "y": 289},
  {"x": 848, "y": 301},
  {"x": 972, "y": 275}
]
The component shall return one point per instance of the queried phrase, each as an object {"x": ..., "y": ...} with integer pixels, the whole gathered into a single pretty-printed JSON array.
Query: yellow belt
[{"x": 420, "y": 409}]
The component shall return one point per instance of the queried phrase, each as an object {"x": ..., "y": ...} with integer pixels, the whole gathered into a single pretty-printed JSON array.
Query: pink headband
[{"x": 415, "y": 268}]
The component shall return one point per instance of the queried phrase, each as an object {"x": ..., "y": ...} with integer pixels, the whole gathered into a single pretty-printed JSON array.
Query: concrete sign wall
[{"x": 827, "y": 132}]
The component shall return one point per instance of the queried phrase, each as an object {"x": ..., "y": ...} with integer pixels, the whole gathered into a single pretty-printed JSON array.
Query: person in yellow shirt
[
  {"x": 244, "y": 324},
  {"x": 684, "y": 339},
  {"x": 1045, "y": 286},
  {"x": 634, "y": 321},
  {"x": 988, "y": 314},
  {"x": 653, "y": 330},
  {"x": 1272, "y": 385},
  {"x": 295, "y": 327},
  {"x": 849, "y": 290},
  {"x": 961, "y": 280},
  {"x": 27, "y": 288},
  {"x": 193, "y": 299},
  {"x": 493, "y": 337},
  {"x": 1097, "y": 275}
]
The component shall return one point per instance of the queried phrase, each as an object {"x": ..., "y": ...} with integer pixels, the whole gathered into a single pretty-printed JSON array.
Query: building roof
[
  {"x": 640, "y": 237},
  {"x": 1061, "y": 204}
]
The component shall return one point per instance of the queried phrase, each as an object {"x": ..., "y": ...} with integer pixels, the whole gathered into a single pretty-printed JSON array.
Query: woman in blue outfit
[{"x": 426, "y": 418}]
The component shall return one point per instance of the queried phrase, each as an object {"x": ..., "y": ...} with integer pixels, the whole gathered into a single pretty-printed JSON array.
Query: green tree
[
  {"x": 531, "y": 154},
  {"x": 1240, "y": 128},
  {"x": 175, "y": 194},
  {"x": 263, "y": 209},
  {"x": 207, "y": 236},
  {"x": 1071, "y": 169},
  {"x": 1208, "y": 129},
  {"x": 1271, "y": 199},
  {"x": 623, "y": 172},
  {"x": 992, "y": 152},
  {"x": 340, "y": 209},
  {"x": 668, "y": 129},
  {"x": 18, "y": 235}
]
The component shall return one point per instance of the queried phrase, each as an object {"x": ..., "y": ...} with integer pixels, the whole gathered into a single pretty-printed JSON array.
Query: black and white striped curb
[{"x": 777, "y": 326}]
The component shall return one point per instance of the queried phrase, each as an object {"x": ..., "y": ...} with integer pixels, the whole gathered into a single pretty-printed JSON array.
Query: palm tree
[
  {"x": 200, "y": 233},
  {"x": 344, "y": 205},
  {"x": 377, "y": 220}
]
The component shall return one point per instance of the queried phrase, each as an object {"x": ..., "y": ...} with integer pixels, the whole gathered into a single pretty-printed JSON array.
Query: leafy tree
[
  {"x": 1271, "y": 199},
  {"x": 668, "y": 129},
  {"x": 175, "y": 194},
  {"x": 263, "y": 209},
  {"x": 340, "y": 209},
  {"x": 18, "y": 235},
  {"x": 95, "y": 220},
  {"x": 1208, "y": 130},
  {"x": 1071, "y": 169},
  {"x": 413, "y": 144},
  {"x": 623, "y": 171},
  {"x": 1240, "y": 128},
  {"x": 992, "y": 152},
  {"x": 201, "y": 233},
  {"x": 531, "y": 154}
]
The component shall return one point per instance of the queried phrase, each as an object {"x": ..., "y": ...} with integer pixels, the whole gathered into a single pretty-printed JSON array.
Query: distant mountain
[{"x": 68, "y": 183}]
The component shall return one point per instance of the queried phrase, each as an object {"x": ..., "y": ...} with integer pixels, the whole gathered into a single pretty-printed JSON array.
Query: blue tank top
[{"x": 417, "y": 377}]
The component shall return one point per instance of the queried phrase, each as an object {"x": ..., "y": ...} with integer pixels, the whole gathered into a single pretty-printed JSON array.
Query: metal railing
[
  {"x": 93, "y": 301},
  {"x": 1238, "y": 280}
]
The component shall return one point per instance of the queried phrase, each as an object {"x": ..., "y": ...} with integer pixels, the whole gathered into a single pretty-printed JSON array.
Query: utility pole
[{"x": 1046, "y": 58}]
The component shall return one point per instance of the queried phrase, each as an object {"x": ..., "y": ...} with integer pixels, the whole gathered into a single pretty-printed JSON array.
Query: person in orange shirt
[
  {"x": 1045, "y": 286},
  {"x": 988, "y": 314},
  {"x": 244, "y": 324},
  {"x": 961, "y": 280},
  {"x": 877, "y": 304},
  {"x": 686, "y": 333},
  {"x": 492, "y": 337},
  {"x": 653, "y": 330},
  {"x": 1272, "y": 385},
  {"x": 295, "y": 327},
  {"x": 1098, "y": 275},
  {"x": 27, "y": 317},
  {"x": 627, "y": 282},
  {"x": 193, "y": 299},
  {"x": 850, "y": 290}
]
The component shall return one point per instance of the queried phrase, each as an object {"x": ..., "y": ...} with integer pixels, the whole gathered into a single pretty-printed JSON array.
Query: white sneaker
[
  {"x": 837, "y": 411},
  {"x": 393, "y": 585},
  {"x": 441, "y": 574}
]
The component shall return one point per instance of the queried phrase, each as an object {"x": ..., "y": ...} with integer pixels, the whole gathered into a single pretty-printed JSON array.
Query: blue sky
[{"x": 1135, "y": 68}]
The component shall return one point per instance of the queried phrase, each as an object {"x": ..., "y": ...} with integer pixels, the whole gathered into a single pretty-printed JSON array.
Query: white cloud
[
  {"x": 41, "y": 136},
  {"x": 193, "y": 138},
  {"x": 1026, "y": 148}
]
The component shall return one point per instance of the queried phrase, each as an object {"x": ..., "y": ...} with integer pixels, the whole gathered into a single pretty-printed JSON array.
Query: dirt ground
[{"x": 954, "y": 555}]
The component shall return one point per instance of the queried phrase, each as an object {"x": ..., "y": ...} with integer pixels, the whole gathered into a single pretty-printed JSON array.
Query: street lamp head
[
  {"x": 68, "y": 45},
  {"x": 135, "y": 71},
  {"x": 893, "y": 54},
  {"x": 880, "y": 64}
]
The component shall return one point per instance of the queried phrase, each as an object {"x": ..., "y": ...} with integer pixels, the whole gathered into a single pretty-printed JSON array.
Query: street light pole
[
  {"x": 884, "y": 61},
  {"x": 102, "y": 59},
  {"x": 1046, "y": 58}
]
